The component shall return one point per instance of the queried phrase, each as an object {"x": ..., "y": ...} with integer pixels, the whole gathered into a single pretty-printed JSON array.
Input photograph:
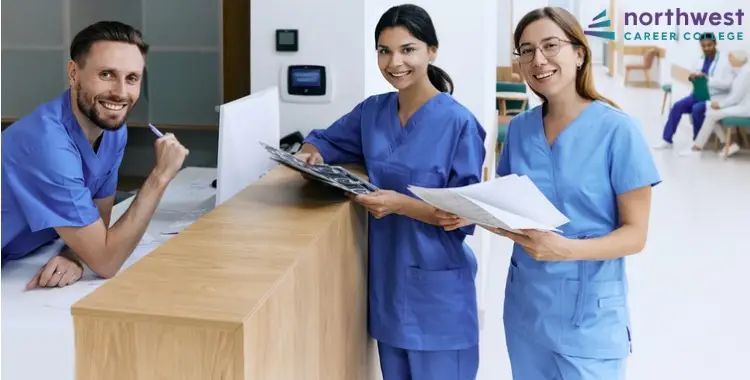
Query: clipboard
[
  {"x": 335, "y": 176},
  {"x": 700, "y": 89}
]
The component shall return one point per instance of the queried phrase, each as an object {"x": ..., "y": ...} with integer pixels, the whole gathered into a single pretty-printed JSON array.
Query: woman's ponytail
[{"x": 440, "y": 79}]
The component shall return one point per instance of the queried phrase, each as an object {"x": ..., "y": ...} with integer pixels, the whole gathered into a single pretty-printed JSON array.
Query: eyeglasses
[{"x": 549, "y": 48}]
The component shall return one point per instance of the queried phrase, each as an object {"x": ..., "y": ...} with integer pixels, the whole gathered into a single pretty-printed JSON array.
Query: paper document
[{"x": 512, "y": 203}]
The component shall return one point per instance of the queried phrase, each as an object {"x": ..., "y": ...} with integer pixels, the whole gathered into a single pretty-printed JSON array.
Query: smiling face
[
  {"x": 107, "y": 83},
  {"x": 402, "y": 58},
  {"x": 548, "y": 60}
]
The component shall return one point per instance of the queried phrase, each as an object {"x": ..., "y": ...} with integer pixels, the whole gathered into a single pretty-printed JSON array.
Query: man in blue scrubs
[
  {"x": 720, "y": 76},
  {"x": 60, "y": 163}
]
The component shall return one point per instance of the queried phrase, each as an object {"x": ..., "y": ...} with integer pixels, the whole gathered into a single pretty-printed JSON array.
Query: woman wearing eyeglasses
[{"x": 566, "y": 314}]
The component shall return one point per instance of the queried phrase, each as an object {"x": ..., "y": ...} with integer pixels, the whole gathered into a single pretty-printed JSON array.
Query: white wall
[
  {"x": 521, "y": 7},
  {"x": 504, "y": 32},
  {"x": 330, "y": 31}
]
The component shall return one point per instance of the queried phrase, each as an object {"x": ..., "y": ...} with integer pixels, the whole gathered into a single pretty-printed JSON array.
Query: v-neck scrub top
[
  {"x": 576, "y": 308},
  {"x": 51, "y": 176}
]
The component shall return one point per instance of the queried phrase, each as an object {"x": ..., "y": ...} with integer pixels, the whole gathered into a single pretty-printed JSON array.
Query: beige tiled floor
[{"x": 690, "y": 288}]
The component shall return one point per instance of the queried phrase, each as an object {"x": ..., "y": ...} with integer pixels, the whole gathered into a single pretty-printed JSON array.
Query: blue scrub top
[
  {"x": 576, "y": 308},
  {"x": 421, "y": 277},
  {"x": 51, "y": 176},
  {"x": 707, "y": 63}
]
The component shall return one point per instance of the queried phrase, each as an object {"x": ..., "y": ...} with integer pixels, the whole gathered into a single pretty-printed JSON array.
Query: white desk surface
[{"x": 37, "y": 327}]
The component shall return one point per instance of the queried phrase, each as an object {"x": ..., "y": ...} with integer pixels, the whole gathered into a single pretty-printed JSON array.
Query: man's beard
[{"x": 90, "y": 111}]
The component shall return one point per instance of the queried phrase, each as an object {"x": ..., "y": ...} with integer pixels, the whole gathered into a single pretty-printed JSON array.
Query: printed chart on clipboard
[{"x": 335, "y": 176}]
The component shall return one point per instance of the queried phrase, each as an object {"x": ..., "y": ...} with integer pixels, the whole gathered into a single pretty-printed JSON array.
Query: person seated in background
[
  {"x": 60, "y": 163},
  {"x": 737, "y": 103},
  {"x": 716, "y": 68}
]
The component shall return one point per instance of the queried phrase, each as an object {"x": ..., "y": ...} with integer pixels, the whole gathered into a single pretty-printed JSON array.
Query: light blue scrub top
[
  {"x": 577, "y": 308},
  {"x": 421, "y": 277},
  {"x": 51, "y": 176}
]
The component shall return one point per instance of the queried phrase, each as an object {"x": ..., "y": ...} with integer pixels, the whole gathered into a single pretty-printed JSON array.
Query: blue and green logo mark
[{"x": 601, "y": 24}]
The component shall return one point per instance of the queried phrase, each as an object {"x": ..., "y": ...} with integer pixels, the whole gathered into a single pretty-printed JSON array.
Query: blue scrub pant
[
  {"x": 690, "y": 105},
  {"x": 400, "y": 364},
  {"x": 531, "y": 361}
]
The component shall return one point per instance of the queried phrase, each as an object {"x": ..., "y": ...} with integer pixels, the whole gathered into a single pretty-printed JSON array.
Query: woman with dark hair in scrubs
[{"x": 422, "y": 297}]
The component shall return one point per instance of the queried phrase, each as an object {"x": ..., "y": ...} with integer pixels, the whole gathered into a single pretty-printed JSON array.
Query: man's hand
[
  {"x": 715, "y": 105},
  {"x": 170, "y": 155},
  {"x": 58, "y": 272},
  {"x": 695, "y": 75}
]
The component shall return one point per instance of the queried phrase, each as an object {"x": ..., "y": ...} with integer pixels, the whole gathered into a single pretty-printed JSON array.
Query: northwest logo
[{"x": 600, "y": 25}]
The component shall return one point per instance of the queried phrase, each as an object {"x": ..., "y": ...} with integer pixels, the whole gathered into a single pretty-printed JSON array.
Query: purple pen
[{"x": 156, "y": 131}]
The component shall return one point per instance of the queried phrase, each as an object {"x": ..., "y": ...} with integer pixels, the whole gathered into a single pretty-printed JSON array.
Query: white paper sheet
[
  {"x": 456, "y": 203},
  {"x": 516, "y": 195},
  {"x": 185, "y": 219},
  {"x": 512, "y": 202}
]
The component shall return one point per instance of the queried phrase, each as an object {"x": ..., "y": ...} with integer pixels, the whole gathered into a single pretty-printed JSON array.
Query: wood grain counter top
[
  {"x": 223, "y": 265},
  {"x": 269, "y": 285}
]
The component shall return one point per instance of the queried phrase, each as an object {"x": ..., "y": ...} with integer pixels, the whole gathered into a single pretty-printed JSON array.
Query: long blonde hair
[{"x": 568, "y": 23}]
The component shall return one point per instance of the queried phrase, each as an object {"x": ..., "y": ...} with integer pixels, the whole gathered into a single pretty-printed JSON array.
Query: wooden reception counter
[{"x": 269, "y": 285}]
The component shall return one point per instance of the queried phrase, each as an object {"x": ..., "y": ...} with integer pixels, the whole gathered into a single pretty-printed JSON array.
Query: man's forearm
[
  {"x": 70, "y": 255},
  {"x": 125, "y": 234}
]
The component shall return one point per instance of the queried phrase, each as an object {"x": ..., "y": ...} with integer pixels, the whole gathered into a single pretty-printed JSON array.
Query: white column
[{"x": 504, "y": 32}]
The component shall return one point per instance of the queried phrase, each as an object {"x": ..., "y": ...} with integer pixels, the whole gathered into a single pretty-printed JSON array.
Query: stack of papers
[
  {"x": 512, "y": 203},
  {"x": 335, "y": 176}
]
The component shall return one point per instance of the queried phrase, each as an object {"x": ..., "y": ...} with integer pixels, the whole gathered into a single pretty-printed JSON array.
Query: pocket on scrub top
[
  {"x": 512, "y": 279},
  {"x": 513, "y": 308},
  {"x": 597, "y": 324},
  {"x": 441, "y": 302}
]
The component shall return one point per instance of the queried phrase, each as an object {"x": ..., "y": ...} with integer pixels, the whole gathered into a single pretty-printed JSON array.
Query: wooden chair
[
  {"x": 511, "y": 105},
  {"x": 648, "y": 62}
]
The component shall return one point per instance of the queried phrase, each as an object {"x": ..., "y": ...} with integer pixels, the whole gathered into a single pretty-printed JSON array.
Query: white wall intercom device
[{"x": 306, "y": 83}]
